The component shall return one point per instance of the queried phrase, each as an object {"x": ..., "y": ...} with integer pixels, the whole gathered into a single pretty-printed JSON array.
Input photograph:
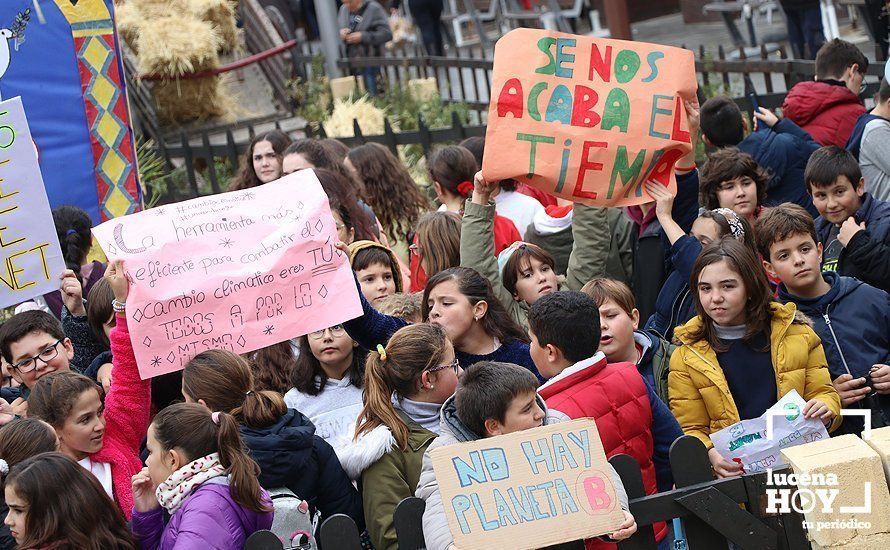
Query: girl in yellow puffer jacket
[{"x": 743, "y": 352}]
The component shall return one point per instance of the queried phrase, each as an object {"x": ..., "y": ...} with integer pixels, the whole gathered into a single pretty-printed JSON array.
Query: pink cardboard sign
[
  {"x": 237, "y": 271},
  {"x": 587, "y": 119}
]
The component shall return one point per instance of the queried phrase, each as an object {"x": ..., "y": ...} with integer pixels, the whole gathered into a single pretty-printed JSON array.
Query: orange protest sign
[{"x": 587, "y": 119}]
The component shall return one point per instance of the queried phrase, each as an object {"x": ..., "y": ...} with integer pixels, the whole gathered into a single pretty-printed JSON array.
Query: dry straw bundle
[
  {"x": 197, "y": 99},
  {"x": 173, "y": 38},
  {"x": 369, "y": 117},
  {"x": 137, "y": 16},
  {"x": 220, "y": 14},
  {"x": 129, "y": 18},
  {"x": 175, "y": 46}
]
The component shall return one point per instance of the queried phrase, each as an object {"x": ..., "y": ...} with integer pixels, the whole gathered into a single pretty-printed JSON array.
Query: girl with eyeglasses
[
  {"x": 327, "y": 383},
  {"x": 406, "y": 383}
]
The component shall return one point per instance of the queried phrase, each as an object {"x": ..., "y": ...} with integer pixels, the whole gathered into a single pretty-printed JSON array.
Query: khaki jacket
[{"x": 590, "y": 256}]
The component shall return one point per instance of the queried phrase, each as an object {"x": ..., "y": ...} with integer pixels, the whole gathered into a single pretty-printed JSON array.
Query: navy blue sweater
[
  {"x": 374, "y": 328},
  {"x": 784, "y": 150},
  {"x": 291, "y": 455},
  {"x": 749, "y": 373},
  {"x": 675, "y": 306}
]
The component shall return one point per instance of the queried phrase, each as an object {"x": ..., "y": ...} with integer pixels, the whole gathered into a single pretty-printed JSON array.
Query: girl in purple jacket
[{"x": 198, "y": 471}]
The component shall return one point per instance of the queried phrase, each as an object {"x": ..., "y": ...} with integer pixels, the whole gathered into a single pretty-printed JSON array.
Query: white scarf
[{"x": 181, "y": 483}]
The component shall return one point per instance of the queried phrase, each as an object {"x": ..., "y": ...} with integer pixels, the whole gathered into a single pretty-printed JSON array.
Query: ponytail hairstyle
[
  {"x": 246, "y": 177},
  {"x": 67, "y": 506},
  {"x": 73, "y": 226},
  {"x": 410, "y": 351},
  {"x": 54, "y": 395},
  {"x": 308, "y": 376},
  {"x": 453, "y": 167},
  {"x": 100, "y": 310},
  {"x": 438, "y": 241},
  {"x": 23, "y": 438},
  {"x": 224, "y": 382},
  {"x": 271, "y": 366},
  {"x": 476, "y": 288},
  {"x": 744, "y": 262},
  {"x": 190, "y": 428},
  {"x": 726, "y": 219}
]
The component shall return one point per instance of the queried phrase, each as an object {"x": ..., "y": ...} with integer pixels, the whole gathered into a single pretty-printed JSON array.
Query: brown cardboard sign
[{"x": 528, "y": 489}]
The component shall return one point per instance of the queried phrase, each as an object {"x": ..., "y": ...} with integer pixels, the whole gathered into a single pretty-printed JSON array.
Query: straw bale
[
  {"x": 370, "y": 118},
  {"x": 188, "y": 100},
  {"x": 173, "y": 46},
  {"x": 219, "y": 13},
  {"x": 129, "y": 19}
]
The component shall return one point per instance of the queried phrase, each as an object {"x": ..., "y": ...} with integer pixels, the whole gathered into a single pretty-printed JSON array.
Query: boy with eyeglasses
[{"x": 34, "y": 345}]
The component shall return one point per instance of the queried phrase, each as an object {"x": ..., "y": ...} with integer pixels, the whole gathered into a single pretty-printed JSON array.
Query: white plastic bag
[{"x": 746, "y": 442}]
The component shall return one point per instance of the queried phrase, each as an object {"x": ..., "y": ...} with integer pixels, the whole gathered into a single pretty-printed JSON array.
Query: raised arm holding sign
[
  {"x": 588, "y": 119},
  {"x": 237, "y": 271}
]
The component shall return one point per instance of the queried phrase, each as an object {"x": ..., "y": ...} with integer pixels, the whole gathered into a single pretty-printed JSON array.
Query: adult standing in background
[
  {"x": 364, "y": 27},
  {"x": 804, "y": 20},
  {"x": 877, "y": 20},
  {"x": 427, "y": 15}
]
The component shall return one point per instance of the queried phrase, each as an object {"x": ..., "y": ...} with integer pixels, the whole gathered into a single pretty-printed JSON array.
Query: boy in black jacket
[{"x": 853, "y": 227}]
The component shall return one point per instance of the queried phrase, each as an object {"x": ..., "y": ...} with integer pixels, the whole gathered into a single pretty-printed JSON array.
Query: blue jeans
[
  {"x": 370, "y": 76},
  {"x": 805, "y": 28}
]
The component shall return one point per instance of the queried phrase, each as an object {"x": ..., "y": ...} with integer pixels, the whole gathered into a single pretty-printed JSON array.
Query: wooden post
[{"x": 617, "y": 18}]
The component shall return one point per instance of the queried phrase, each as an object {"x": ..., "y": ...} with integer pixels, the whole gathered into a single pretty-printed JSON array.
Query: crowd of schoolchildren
[{"x": 501, "y": 310}]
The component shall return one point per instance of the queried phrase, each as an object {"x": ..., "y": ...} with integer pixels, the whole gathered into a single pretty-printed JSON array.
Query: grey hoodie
[{"x": 436, "y": 532}]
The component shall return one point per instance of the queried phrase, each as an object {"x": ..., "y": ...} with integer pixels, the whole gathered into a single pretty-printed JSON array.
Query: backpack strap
[{"x": 661, "y": 366}]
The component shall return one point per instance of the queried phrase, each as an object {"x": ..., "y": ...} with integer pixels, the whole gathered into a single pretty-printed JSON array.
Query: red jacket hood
[{"x": 808, "y": 99}]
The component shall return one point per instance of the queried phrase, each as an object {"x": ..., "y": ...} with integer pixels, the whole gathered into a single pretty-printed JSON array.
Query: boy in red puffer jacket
[
  {"x": 827, "y": 108},
  {"x": 564, "y": 328}
]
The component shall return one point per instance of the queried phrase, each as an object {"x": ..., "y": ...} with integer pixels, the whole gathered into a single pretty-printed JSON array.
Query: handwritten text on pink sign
[{"x": 237, "y": 271}]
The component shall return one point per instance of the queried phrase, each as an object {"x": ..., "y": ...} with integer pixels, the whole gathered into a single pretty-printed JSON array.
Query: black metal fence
[
  {"x": 715, "y": 513},
  {"x": 464, "y": 77},
  {"x": 198, "y": 160}
]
